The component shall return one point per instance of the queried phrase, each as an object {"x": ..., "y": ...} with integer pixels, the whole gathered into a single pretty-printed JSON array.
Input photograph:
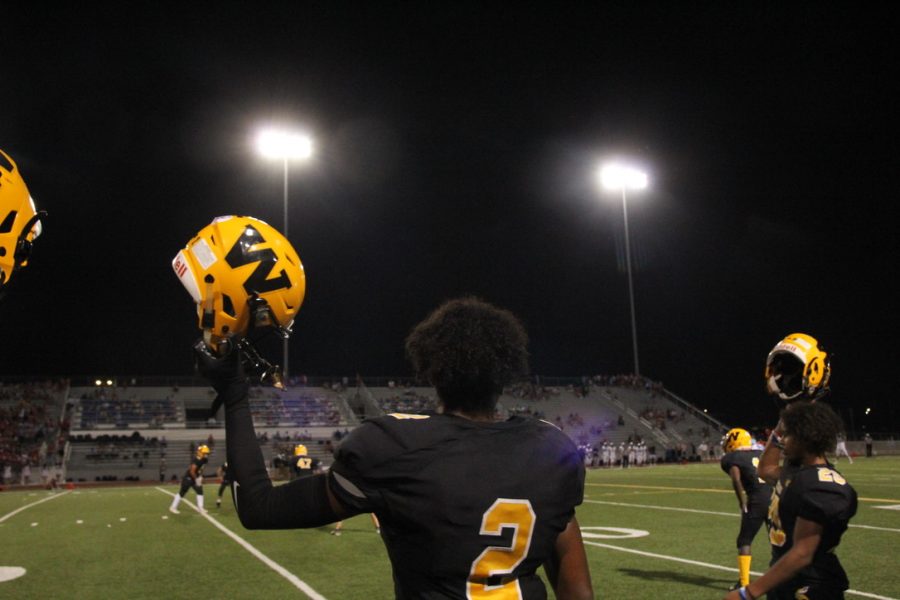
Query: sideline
[
  {"x": 296, "y": 581},
  {"x": 713, "y": 512},
  {"x": 20, "y": 509},
  {"x": 710, "y": 565}
]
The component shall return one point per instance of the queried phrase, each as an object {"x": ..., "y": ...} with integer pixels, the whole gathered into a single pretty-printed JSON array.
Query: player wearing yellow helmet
[
  {"x": 193, "y": 479},
  {"x": 304, "y": 465},
  {"x": 812, "y": 503},
  {"x": 20, "y": 221},
  {"x": 739, "y": 462}
]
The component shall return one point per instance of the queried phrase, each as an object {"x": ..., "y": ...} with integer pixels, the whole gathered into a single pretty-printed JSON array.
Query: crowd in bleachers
[
  {"x": 409, "y": 401},
  {"x": 32, "y": 429},
  {"x": 303, "y": 408},
  {"x": 121, "y": 408}
]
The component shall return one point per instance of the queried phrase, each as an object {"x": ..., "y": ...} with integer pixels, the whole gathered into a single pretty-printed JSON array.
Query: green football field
[{"x": 661, "y": 532}]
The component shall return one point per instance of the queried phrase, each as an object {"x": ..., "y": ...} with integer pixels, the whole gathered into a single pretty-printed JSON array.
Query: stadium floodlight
[
  {"x": 284, "y": 145},
  {"x": 97, "y": 382},
  {"x": 618, "y": 176}
]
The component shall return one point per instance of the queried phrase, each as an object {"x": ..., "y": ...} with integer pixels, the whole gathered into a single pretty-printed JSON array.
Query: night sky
[{"x": 456, "y": 151}]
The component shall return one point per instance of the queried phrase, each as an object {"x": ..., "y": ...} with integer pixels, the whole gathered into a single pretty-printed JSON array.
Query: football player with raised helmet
[
  {"x": 459, "y": 516},
  {"x": 20, "y": 221},
  {"x": 740, "y": 462},
  {"x": 193, "y": 479},
  {"x": 812, "y": 502}
]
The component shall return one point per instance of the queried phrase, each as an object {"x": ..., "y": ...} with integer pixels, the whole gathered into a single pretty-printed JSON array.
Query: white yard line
[
  {"x": 697, "y": 563},
  {"x": 296, "y": 581},
  {"x": 712, "y": 512},
  {"x": 18, "y": 510}
]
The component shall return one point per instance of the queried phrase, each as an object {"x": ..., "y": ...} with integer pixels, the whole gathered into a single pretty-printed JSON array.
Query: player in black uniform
[
  {"x": 812, "y": 503},
  {"x": 19, "y": 221},
  {"x": 740, "y": 462},
  {"x": 225, "y": 482},
  {"x": 468, "y": 505},
  {"x": 193, "y": 478},
  {"x": 303, "y": 464}
]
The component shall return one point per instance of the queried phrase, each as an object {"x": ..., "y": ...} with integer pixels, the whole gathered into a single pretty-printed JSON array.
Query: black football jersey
[
  {"x": 747, "y": 461},
  {"x": 200, "y": 463},
  {"x": 820, "y": 494},
  {"x": 304, "y": 466},
  {"x": 465, "y": 507}
]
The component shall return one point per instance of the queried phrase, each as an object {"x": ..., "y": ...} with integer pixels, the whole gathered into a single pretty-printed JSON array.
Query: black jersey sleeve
[
  {"x": 827, "y": 498},
  {"x": 727, "y": 462}
]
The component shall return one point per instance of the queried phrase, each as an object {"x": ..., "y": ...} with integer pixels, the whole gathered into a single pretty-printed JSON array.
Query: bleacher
[{"x": 591, "y": 411}]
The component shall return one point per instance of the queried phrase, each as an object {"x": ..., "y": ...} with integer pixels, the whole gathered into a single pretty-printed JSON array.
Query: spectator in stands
[{"x": 469, "y": 350}]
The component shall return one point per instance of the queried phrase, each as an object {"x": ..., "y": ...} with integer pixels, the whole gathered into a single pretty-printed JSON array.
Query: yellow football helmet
[
  {"x": 243, "y": 274},
  {"x": 797, "y": 367},
  {"x": 202, "y": 451},
  {"x": 736, "y": 439},
  {"x": 19, "y": 220},
  {"x": 300, "y": 450}
]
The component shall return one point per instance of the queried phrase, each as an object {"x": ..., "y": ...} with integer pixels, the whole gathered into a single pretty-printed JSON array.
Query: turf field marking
[
  {"x": 707, "y": 490},
  {"x": 709, "y": 565},
  {"x": 661, "y": 487},
  {"x": 296, "y": 581},
  {"x": 713, "y": 512},
  {"x": 20, "y": 509}
]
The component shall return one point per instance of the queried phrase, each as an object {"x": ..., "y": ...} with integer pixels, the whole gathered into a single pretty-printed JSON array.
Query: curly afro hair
[
  {"x": 814, "y": 425},
  {"x": 469, "y": 350}
]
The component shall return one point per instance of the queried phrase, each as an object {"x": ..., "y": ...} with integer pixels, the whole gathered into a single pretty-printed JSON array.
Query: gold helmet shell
[
  {"x": 202, "y": 451},
  {"x": 797, "y": 368},
  {"x": 19, "y": 220},
  {"x": 241, "y": 272},
  {"x": 300, "y": 450},
  {"x": 736, "y": 439}
]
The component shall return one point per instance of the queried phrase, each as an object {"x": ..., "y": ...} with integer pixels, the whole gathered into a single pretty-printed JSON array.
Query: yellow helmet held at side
[
  {"x": 242, "y": 273},
  {"x": 300, "y": 450},
  {"x": 736, "y": 439},
  {"x": 19, "y": 220},
  {"x": 798, "y": 368}
]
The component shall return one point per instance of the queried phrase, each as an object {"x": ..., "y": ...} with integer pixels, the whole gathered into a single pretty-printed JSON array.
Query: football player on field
[
  {"x": 739, "y": 462},
  {"x": 19, "y": 221},
  {"x": 303, "y": 464},
  {"x": 225, "y": 476},
  {"x": 812, "y": 503},
  {"x": 193, "y": 478},
  {"x": 459, "y": 514}
]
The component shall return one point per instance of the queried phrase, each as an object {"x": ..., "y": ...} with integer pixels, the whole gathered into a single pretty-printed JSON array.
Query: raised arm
[{"x": 302, "y": 503}]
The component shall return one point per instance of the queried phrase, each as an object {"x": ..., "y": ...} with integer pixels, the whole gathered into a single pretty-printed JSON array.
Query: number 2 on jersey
[{"x": 504, "y": 513}]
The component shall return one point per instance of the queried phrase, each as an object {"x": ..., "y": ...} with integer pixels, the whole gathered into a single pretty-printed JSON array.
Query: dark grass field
[{"x": 661, "y": 532}]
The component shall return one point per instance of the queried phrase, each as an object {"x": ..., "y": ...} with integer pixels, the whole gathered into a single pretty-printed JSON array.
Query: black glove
[{"x": 221, "y": 371}]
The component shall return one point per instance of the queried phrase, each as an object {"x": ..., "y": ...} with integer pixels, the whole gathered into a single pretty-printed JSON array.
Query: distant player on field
[
  {"x": 193, "y": 478},
  {"x": 739, "y": 462},
  {"x": 224, "y": 474}
]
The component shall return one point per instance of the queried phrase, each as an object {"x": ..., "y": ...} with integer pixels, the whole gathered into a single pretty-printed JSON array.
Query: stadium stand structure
[{"x": 149, "y": 427}]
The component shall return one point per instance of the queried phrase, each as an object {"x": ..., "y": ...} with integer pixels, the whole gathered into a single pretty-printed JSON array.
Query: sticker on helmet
[
  {"x": 204, "y": 254},
  {"x": 186, "y": 275}
]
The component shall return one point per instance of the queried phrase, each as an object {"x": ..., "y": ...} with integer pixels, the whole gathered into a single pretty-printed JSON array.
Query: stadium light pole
[
  {"x": 615, "y": 176},
  {"x": 284, "y": 145}
]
